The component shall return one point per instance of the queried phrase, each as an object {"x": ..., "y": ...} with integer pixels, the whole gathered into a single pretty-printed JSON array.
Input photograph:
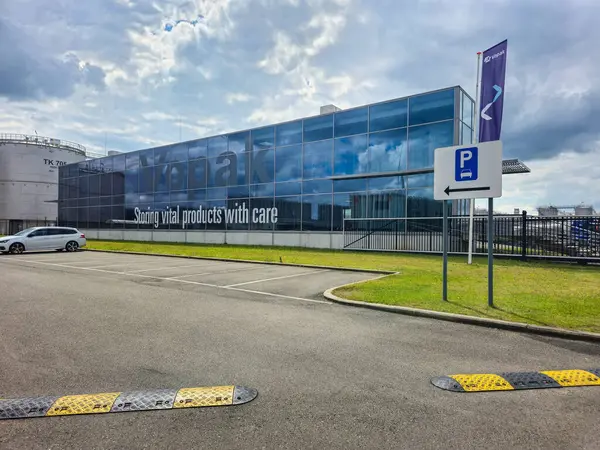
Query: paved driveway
[{"x": 328, "y": 376}]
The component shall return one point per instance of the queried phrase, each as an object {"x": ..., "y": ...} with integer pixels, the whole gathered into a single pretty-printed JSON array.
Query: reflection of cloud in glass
[{"x": 387, "y": 151}]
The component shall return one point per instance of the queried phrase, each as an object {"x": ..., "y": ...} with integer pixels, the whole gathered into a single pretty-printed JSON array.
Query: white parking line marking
[
  {"x": 269, "y": 294},
  {"x": 275, "y": 278},
  {"x": 165, "y": 268}
]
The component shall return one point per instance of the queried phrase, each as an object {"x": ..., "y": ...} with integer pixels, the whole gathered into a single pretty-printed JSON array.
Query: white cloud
[{"x": 237, "y": 97}]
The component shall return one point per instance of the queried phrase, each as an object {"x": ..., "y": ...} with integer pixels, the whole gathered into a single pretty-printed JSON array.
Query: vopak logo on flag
[{"x": 492, "y": 89}]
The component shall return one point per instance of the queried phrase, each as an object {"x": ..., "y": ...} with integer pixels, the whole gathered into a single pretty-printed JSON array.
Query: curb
[
  {"x": 347, "y": 269},
  {"x": 461, "y": 318}
]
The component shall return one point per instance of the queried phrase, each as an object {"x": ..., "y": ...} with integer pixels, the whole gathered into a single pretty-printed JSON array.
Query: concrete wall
[
  {"x": 29, "y": 180},
  {"x": 283, "y": 239}
]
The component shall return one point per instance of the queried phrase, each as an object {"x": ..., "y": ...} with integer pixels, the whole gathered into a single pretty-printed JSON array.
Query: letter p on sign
[{"x": 466, "y": 164}]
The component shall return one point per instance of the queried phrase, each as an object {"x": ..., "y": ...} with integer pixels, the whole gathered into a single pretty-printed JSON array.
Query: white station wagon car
[{"x": 43, "y": 238}]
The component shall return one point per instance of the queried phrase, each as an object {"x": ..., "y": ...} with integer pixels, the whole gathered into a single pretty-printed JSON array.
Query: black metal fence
[{"x": 524, "y": 236}]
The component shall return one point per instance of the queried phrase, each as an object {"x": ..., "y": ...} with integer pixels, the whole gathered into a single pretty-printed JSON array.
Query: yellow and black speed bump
[
  {"x": 510, "y": 381},
  {"x": 109, "y": 402}
]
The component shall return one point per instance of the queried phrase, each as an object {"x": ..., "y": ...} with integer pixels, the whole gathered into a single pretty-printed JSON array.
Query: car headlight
[{"x": 4, "y": 241}]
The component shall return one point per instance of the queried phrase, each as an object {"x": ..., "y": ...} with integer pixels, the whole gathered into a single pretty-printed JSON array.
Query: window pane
[
  {"x": 289, "y": 213},
  {"x": 263, "y": 165},
  {"x": 94, "y": 186},
  {"x": 293, "y": 188},
  {"x": 119, "y": 163},
  {"x": 431, "y": 107},
  {"x": 388, "y": 115},
  {"x": 177, "y": 152},
  {"x": 359, "y": 184},
  {"x": 161, "y": 178},
  {"x": 118, "y": 182},
  {"x": 198, "y": 194},
  {"x": 216, "y": 146},
  {"x": 197, "y": 174},
  {"x": 288, "y": 163},
  {"x": 422, "y": 204},
  {"x": 216, "y": 193},
  {"x": 421, "y": 180},
  {"x": 238, "y": 192},
  {"x": 226, "y": 170},
  {"x": 422, "y": 141},
  {"x": 132, "y": 160},
  {"x": 387, "y": 151},
  {"x": 178, "y": 176},
  {"x": 350, "y": 155},
  {"x": 147, "y": 158},
  {"x": 179, "y": 197},
  {"x": 289, "y": 133},
  {"x": 106, "y": 164},
  {"x": 105, "y": 184},
  {"x": 261, "y": 213},
  {"x": 197, "y": 149},
  {"x": 146, "y": 179},
  {"x": 466, "y": 134},
  {"x": 215, "y": 220},
  {"x": 239, "y": 142},
  {"x": 317, "y": 159},
  {"x": 84, "y": 186},
  {"x": 238, "y": 214},
  {"x": 387, "y": 204},
  {"x": 467, "y": 110},
  {"x": 161, "y": 155},
  {"x": 263, "y": 137},
  {"x": 351, "y": 122},
  {"x": 348, "y": 206},
  {"x": 386, "y": 183},
  {"x": 317, "y": 187},
  {"x": 318, "y": 128},
  {"x": 262, "y": 190},
  {"x": 316, "y": 212}
]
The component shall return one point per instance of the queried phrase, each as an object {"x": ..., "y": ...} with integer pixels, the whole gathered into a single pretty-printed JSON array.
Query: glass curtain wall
[{"x": 288, "y": 176}]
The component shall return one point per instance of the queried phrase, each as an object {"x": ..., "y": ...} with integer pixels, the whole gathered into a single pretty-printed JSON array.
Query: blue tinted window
[
  {"x": 161, "y": 155},
  {"x": 146, "y": 158},
  {"x": 216, "y": 220},
  {"x": 226, "y": 170},
  {"x": 263, "y": 165},
  {"x": 216, "y": 146},
  {"x": 348, "y": 206},
  {"x": 263, "y": 137},
  {"x": 350, "y": 155},
  {"x": 467, "y": 110},
  {"x": 388, "y": 115},
  {"x": 317, "y": 187},
  {"x": 289, "y": 212},
  {"x": 132, "y": 160},
  {"x": 317, "y": 159},
  {"x": 118, "y": 182},
  {"x": 119, "y": 163},
  {"x": 351, "y": 122},
  {"x": 179, "y": 197},
  {"x": 238, "y": 192},
  {"x": 235, "y": 219},
  {"x": 288, "y": 163},
  {"x": 289, "y": 133},
  {"x": 359, "y": 184},
  {"x": 177, "y": 152},
  {"x": 161, "y": 178},
  {"x": 216, "y": 193},
  {"x": 105, "y": 165},
  {"x": 262, "y": 190},
  {"x": 293, "y": 188},
  {"x": 239, "y": 142},
  {"x": 466, "y": 135},
  {"x": 387, "y": 204},
  {"x": 387, "y": 151},
  {"x": 84, "y": 186},
  {"x": 95, "y": 186},
  {"x": 318, "y": 128},
  {"x": 431, "y": 107},
  {"x": 316, "y": 212},
  {"x": 197, "y": 149},
  {"x": 197, "y": 174},
  {"x": 386, "y": 183},
  {"x": 197, "y": 194},
  {"x": 147, "y": 198},
  {"x": 421, "y": 180},
  {"x": 178, "y": 176},
  {"x": 423, "y": 140},
  {"x": 162, "y": 197}
]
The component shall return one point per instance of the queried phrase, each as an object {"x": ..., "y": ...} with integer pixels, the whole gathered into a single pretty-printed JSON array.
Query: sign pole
[
  {"x": 491, "y": 252},
  {"x": 445, "y": 251},
  {"x": 475, "y": 139}
]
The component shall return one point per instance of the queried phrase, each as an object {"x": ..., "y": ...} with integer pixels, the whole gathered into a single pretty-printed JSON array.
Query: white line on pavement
[
  {"x": 275, "y": 278},
  {"x": 175, "y": 280}
]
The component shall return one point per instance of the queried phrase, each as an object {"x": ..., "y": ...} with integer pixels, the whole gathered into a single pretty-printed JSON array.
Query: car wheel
[
  {"x": 17, "y": 248},
  {"x": 59, "y": 249},
  {"x": 72, "y": 246}
]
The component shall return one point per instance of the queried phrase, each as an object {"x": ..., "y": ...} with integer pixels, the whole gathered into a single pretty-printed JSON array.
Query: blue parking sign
[{"x": 466, "y": 164}]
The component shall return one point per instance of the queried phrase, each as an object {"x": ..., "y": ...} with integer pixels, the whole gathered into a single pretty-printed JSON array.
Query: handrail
[{"x": 41, "y": 140}]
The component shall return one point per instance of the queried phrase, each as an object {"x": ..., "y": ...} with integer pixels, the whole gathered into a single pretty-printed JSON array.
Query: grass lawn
[{"x": 551, "y": 294}]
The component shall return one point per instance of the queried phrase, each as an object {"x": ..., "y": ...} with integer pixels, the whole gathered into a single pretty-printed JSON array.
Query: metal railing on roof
[{"x": 41, "y": 141}]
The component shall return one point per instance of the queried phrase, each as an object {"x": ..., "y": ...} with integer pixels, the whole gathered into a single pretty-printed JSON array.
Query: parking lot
[{"x": 328, "y": 376}]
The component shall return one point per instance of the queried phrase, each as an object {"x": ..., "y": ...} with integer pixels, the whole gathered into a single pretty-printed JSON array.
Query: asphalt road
[{"x": 328, "y": 376}]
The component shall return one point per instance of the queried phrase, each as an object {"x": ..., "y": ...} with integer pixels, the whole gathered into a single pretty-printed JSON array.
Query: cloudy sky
[{"x": 105, "y": 74}]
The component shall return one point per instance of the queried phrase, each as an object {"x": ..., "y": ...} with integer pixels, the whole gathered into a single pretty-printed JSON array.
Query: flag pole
[{"x": 475, "y": 140}]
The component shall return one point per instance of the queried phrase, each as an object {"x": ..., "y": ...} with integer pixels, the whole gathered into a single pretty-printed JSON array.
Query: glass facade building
[{"x": 373, "y": 161}]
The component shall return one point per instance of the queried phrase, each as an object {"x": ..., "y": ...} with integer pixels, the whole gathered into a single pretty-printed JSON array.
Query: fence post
[{"x": 524, "y": 237}]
